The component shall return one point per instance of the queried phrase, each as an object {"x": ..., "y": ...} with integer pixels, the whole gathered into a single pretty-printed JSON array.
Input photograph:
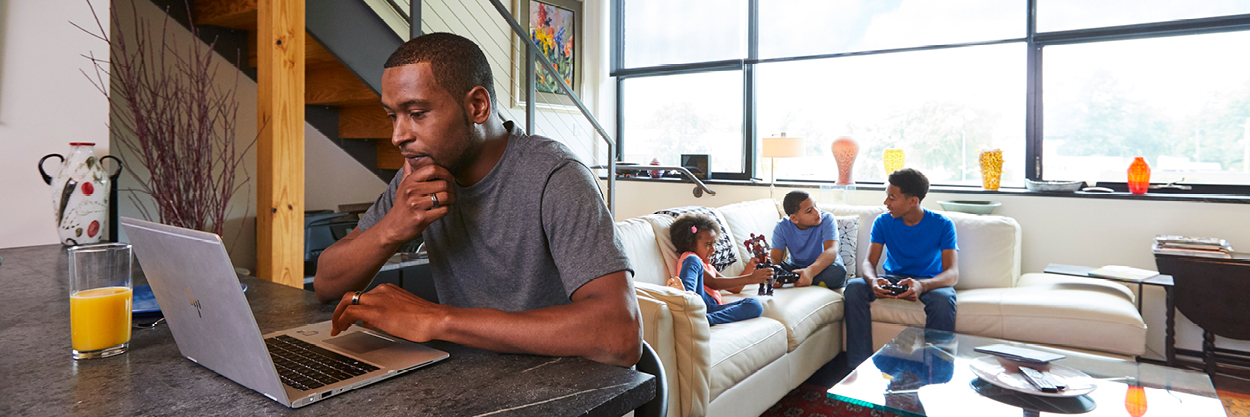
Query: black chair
[
  {"x": 1212, "y": 293},
  {"x": 650, "y": 364}
]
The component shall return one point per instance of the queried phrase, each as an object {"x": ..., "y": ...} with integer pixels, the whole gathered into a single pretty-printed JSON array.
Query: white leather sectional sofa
[{"x": 742, "y": 368}]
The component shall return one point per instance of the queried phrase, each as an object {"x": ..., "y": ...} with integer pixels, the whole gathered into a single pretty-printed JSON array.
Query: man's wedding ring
[
  {"x": 435, "y": 198},
  {"x": 356, "y": 298}
]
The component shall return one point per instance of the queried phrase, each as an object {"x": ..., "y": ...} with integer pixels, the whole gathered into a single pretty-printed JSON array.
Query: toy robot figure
[{"x": 758, "y": 247}]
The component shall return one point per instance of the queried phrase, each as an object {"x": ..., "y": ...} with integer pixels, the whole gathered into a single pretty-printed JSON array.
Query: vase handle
[
  {"x": 114, "y": 175},
  {"x": 48, "y": 178}
]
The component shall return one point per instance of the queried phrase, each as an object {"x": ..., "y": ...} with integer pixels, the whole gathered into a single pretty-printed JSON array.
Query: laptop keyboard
[{"x": 305, "y": 366}]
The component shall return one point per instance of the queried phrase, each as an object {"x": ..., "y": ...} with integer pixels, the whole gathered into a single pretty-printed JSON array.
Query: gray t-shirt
[{"x": 526, "y": 236}]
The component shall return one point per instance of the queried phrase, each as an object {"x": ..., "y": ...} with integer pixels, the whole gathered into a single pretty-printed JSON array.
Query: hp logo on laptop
[{"x": 195, "y": 303}]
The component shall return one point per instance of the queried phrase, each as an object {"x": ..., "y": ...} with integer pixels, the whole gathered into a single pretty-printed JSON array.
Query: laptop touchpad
[{"x": 359, "y": 342}]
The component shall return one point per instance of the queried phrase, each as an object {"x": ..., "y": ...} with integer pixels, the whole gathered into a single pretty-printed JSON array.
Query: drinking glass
[{"x": 100, "y": 297}]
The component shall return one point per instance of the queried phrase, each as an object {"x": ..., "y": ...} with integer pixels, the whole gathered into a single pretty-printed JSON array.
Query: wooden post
[{"x": 280, "y": 148}]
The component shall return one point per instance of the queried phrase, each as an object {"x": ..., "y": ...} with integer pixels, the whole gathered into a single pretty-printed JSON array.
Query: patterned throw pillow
[
  {"x": 723, "y": 253},
  {"x": 848, "y": 240}
]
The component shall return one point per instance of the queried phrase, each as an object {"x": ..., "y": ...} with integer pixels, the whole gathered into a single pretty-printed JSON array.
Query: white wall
[
  {"x": 45, "y": 103},
  {"x": 1075, "y": 231},
  {"x": 331, "y": 176}
]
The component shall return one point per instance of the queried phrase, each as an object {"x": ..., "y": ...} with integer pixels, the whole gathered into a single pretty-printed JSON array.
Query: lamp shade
[{"x": 782, "y": 147}]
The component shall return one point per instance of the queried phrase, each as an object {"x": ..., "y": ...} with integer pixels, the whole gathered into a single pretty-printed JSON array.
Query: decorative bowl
[
  {"x": 1054, "y": 186},
  {"x": 970, "y": 207}
]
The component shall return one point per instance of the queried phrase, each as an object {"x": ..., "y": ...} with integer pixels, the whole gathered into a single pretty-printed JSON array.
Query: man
[
  {"x": 922, "y": 256},
  {"x": 522, "y": 248},
  {"x": 811, "y": 235}
]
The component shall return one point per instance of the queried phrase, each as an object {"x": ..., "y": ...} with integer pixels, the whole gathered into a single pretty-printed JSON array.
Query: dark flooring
[{"x": 829, "y": 374}]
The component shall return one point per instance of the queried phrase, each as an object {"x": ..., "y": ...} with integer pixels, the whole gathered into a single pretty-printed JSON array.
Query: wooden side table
[
  {"x": 1212, "y": 293},
  {"x": 1164, "y": 281}
]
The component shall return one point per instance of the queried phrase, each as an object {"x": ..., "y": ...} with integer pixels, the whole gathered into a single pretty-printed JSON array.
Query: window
[
  {"x": 659, "y": 32},
  {"x": 1057, "y": 15},
  {"x": 810, "y": 27},
  {"x": 941, "y": 107},
  {"x": 669, "y": 115},
  {"x": 1181, "y": 102},
  {"x": 1067, "y": 89}
]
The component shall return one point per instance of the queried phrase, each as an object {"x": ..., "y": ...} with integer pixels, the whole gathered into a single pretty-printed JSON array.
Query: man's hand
[
  {"x": 415, "y": 207},
  {"x": 878, "y": 291},
  {"x": 390, "y": 309},
  {"x": 914, "y": 289}
]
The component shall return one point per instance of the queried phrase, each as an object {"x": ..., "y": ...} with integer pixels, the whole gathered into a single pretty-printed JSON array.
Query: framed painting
[{"x": 556, "y": 27}]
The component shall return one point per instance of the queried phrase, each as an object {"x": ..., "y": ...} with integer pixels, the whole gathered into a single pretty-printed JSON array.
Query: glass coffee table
[{"x": 929, "y": 373}]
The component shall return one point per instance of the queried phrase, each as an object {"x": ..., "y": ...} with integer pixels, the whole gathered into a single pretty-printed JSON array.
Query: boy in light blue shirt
[{"x": 811, "y": 236}]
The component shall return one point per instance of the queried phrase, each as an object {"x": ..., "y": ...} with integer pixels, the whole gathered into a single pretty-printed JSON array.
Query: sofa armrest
[{"x": 691, "y": 333}]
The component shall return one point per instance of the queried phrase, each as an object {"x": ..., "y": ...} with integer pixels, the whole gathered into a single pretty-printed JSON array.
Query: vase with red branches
[{"x": 176, "y": 124}]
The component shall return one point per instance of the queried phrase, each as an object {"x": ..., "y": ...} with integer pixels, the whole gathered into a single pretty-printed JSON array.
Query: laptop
[{"x": 212, "y": 323}]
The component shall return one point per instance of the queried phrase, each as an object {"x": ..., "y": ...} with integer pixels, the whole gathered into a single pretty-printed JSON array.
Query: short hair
[
  {"x": 457, "y": 63},
  {"x": 683, "y": 237},
  {"x": 791, "y": 203},
  {"x": 910, "y": 182}
]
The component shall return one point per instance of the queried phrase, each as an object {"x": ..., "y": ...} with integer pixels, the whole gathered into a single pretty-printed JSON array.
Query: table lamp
[{"x": 780, "y": 147}]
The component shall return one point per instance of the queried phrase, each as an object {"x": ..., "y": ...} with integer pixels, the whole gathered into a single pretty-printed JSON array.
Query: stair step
[
  {"x": 335, "y": 85},
  {"x": 389, "y": 156},
  {"x": 237, "y": 14},
  {"x": 364, "y": 122}
]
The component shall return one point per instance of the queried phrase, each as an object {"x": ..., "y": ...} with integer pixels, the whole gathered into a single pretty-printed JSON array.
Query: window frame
[{"x": 1035, "y": 42}]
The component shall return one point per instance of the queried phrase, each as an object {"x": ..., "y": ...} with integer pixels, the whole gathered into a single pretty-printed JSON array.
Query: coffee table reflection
[{"x": 926, "y": 373}]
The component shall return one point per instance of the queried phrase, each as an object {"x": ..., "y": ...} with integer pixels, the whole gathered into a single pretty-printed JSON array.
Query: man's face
[
  {"x": 807, "y": 216},
  {"x": 898, "y": 203},
  {"x": 431, "y": 125}
]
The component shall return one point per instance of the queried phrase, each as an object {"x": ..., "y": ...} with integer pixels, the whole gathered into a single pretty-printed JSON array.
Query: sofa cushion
[
  {"x": 867, "y": 214},
  {"x": 723, "y": 253},
  {"x": 741, "y": 348},
  {"x": 691, "y": 344},
  {"x": 758, "y": 217},
  {"x": 1100, "y": 319},
  {"x": 979, "y": 312},
  {"x": 848, "y": 242},
  {"x": 989, "y": 250},
  {"x": 1061, "y": 282},
  {"x": 1079, "y": 318},
  {"x": 802, "y": 311},
  {"x": 638, "y": 239}
]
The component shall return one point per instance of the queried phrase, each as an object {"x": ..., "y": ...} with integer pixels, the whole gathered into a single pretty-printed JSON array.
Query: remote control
[{"x": 1038, "y": 380}]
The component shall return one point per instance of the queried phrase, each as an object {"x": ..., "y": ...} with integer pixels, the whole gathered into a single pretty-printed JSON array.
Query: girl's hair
[{"x": 684, "y": 232}]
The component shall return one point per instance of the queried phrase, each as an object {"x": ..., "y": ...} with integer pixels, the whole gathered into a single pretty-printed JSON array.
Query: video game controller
[{"x": 895, "y": 289}]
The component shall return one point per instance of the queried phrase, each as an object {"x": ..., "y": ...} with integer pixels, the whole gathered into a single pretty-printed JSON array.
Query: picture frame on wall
[{"x": 556, "y": 27}]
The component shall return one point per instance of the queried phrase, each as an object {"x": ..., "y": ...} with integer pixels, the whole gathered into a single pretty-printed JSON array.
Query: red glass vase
[{"x": 1138, "y": 176}]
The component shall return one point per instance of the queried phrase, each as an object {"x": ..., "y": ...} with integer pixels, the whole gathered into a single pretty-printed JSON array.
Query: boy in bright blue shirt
[
  {"x": 923, "y": 256},
  {"x": 811, "y": 236}
]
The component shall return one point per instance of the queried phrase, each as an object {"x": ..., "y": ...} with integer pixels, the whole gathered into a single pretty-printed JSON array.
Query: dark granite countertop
[{"x": 38, "y": 377}]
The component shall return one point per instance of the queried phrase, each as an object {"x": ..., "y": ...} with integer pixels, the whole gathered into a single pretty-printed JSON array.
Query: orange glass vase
[
  {"x": 1138, "y": 176},
  {"x": 1135, "y": 401},
  {"x": 844, "y": 152}
]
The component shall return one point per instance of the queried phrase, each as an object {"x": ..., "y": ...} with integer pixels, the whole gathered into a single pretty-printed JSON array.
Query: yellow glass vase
[
  {"x": 991, "y": 168},
  {"x": 893, "y": 159}
]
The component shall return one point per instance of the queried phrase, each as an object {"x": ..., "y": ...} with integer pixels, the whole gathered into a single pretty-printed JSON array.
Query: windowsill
[{"x": 1011, "y": 191}]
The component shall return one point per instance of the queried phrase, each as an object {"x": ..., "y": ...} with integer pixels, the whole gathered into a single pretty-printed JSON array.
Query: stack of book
[{"x": 1206, "y": 247}]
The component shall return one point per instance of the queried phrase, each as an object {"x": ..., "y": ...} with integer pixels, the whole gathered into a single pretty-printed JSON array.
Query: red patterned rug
[{"x": 810, "y": 401}]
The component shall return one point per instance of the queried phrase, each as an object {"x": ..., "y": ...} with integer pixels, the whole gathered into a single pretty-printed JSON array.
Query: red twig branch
[{"x": 175, "y": 122}]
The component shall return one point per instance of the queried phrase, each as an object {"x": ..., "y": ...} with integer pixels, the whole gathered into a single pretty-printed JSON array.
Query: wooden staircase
[{"x": 327, "y": 81}]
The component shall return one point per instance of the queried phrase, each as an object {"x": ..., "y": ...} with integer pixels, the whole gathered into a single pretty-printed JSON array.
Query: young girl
[{"x": 694, "y": 236}]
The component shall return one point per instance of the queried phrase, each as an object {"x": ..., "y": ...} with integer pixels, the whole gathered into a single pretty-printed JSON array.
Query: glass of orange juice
[{"x": 100, "y": 298}]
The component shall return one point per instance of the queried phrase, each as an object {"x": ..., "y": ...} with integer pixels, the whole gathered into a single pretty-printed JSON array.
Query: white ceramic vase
[{"x": 80, "y": 195}]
